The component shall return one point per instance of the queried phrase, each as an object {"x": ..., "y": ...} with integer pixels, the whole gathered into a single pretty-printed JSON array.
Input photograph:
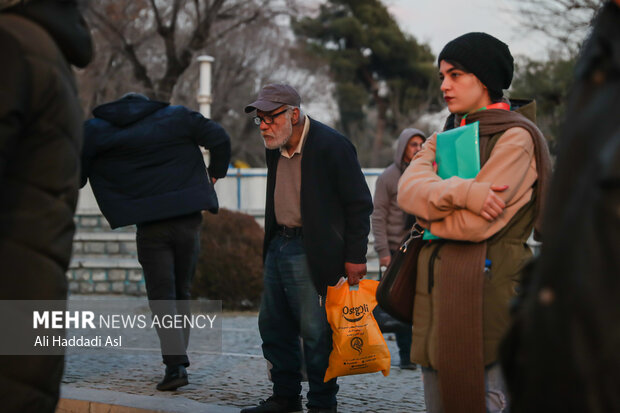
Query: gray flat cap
[{"x": 273, "y": 96}]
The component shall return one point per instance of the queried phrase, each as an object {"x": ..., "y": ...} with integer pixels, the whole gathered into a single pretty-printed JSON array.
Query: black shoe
[
  {"x": 322, "y": 409},
  {"x": 276, "y": 404},
  {"x": 408, "y": 366},
  {"x": 176, "y": 376}
]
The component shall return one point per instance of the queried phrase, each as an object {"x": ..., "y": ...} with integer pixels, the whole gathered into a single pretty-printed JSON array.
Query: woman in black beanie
[{"x": 467, "y": 278}]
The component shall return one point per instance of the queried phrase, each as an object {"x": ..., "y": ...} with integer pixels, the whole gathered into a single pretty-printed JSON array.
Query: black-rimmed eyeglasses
[{"x": 268, "y": 119}]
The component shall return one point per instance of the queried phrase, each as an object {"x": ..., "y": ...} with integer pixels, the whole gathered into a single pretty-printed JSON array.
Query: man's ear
[{"x": 295, "y": 117}]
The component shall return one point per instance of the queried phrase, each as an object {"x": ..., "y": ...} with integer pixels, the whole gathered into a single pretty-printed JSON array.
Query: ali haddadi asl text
[{"x": 81, "y": 341}]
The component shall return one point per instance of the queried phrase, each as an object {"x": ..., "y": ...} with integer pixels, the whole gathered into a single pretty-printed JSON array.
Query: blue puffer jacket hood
[{"x": 128, "y": 109}]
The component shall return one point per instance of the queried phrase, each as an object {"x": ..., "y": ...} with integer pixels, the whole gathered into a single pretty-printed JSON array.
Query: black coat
[
  {"x": 40, "y": 142},
  {"x": 144, "y": 163},
  {"x": 561, "y": 353},
  {"x": 335, "y": 204}
]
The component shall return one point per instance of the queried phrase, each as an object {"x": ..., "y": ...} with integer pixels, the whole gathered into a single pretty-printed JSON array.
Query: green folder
[{"x": 457, "y": 153}]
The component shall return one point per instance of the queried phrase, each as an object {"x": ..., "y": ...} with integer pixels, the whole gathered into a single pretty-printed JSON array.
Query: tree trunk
[{"x": 377, "y": 145}]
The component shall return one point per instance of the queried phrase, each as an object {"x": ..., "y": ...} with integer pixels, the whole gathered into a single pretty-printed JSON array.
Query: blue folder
[{"x": 457, "y": 153}]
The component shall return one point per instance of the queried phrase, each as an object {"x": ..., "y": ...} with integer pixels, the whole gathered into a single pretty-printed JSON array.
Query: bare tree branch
[
  {"x": 175, "y": 12},
  {"x": 566, "y": 21},
  {"x": 237, "y": 25},
  {"x": 167, "y": 33},
  {"x": 209, "y": 21},
  {"x": 139, "y": 69},
  {"x": 197, "y": 7},
  {"x": 101, "y": 18},
  {"x": 200, "y": 33},
  {"x": 160, "y": 24}
]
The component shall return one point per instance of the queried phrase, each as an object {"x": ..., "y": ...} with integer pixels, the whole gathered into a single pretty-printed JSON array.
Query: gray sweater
[{"x": 388, "y": 220}]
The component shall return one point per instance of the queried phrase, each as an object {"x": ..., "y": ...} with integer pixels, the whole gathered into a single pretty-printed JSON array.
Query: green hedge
[{"x": 230, "y": 266}]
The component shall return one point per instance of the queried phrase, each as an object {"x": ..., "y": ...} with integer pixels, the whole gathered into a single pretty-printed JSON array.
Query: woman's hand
[{"x": 493, "y": 205}]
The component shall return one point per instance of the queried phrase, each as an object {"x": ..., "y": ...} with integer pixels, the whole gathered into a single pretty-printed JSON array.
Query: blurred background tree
[
  {"x": 565, "y": 23},
  {"x": 151, "y": 47},
  {"x": 157, "y": 41},
  {"x": 383, "y": 78},
  {"x": 548, "y": 82}
]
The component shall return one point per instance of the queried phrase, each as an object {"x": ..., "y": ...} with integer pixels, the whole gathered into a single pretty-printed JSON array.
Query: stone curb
[
  {"x": 105, "y": 236},
  {"x": 82, "y": 400},
  {"x": 104, "y": 262}
]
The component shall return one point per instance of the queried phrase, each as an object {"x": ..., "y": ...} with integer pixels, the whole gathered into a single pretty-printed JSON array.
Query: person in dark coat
[
  {"x": 561, "y": 352},
  {"x": 40, "y": 142},
  {"x": 146, "y": 169},
  {"x": 316, "y": 230}
]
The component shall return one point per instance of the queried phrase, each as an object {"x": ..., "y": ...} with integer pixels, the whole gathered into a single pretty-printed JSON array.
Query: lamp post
[
  {"x": 204, "y": 97},
  {"x": 204, "y": 90}
]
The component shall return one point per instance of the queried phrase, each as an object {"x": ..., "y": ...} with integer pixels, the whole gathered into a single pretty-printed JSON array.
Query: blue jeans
[
  {"x": 289, "y": 309},
  {"x": 494, "y": 385}
]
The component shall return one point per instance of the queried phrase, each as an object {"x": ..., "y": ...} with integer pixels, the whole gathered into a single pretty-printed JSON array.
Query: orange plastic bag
[{"x": 358, "y": 344}]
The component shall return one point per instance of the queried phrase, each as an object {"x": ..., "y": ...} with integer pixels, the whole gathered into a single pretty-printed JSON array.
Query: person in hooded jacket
[
  {"x": 145, "y": 167},
  {"x": 40, "y": 142},
  {"x": 390, "y": 223},
  {"x": 466, "y": 279}
]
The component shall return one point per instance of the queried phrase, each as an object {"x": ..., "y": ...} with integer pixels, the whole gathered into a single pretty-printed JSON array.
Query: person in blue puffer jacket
[{"x": 145, "y": 167}]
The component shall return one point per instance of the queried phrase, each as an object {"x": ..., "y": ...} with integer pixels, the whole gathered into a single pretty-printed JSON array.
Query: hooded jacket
[
  {"x": 40, "y": 142},
  {"x": 388, "y": 220},
  {"x": 144, "y": 163}
]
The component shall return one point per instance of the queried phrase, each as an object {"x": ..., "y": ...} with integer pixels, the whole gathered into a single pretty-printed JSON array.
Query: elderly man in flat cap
[{"x": 316, "y": 230}]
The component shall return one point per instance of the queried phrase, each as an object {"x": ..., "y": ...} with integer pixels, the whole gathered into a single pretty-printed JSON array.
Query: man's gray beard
[{"x": 278, "y": 146}]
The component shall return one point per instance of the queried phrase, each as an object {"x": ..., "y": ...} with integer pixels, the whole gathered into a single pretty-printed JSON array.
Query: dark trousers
[
  {"x": 290, "y": 309},
  {"x": 168, "y": 251},
  {"x": 404, "y": 339}
]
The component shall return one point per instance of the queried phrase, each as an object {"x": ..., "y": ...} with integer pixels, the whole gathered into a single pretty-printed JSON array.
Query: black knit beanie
[{"x": 483, "y": 55}]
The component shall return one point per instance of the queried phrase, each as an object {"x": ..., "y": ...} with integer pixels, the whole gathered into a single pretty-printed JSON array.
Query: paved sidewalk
[{"x": 221, "y": 382}]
